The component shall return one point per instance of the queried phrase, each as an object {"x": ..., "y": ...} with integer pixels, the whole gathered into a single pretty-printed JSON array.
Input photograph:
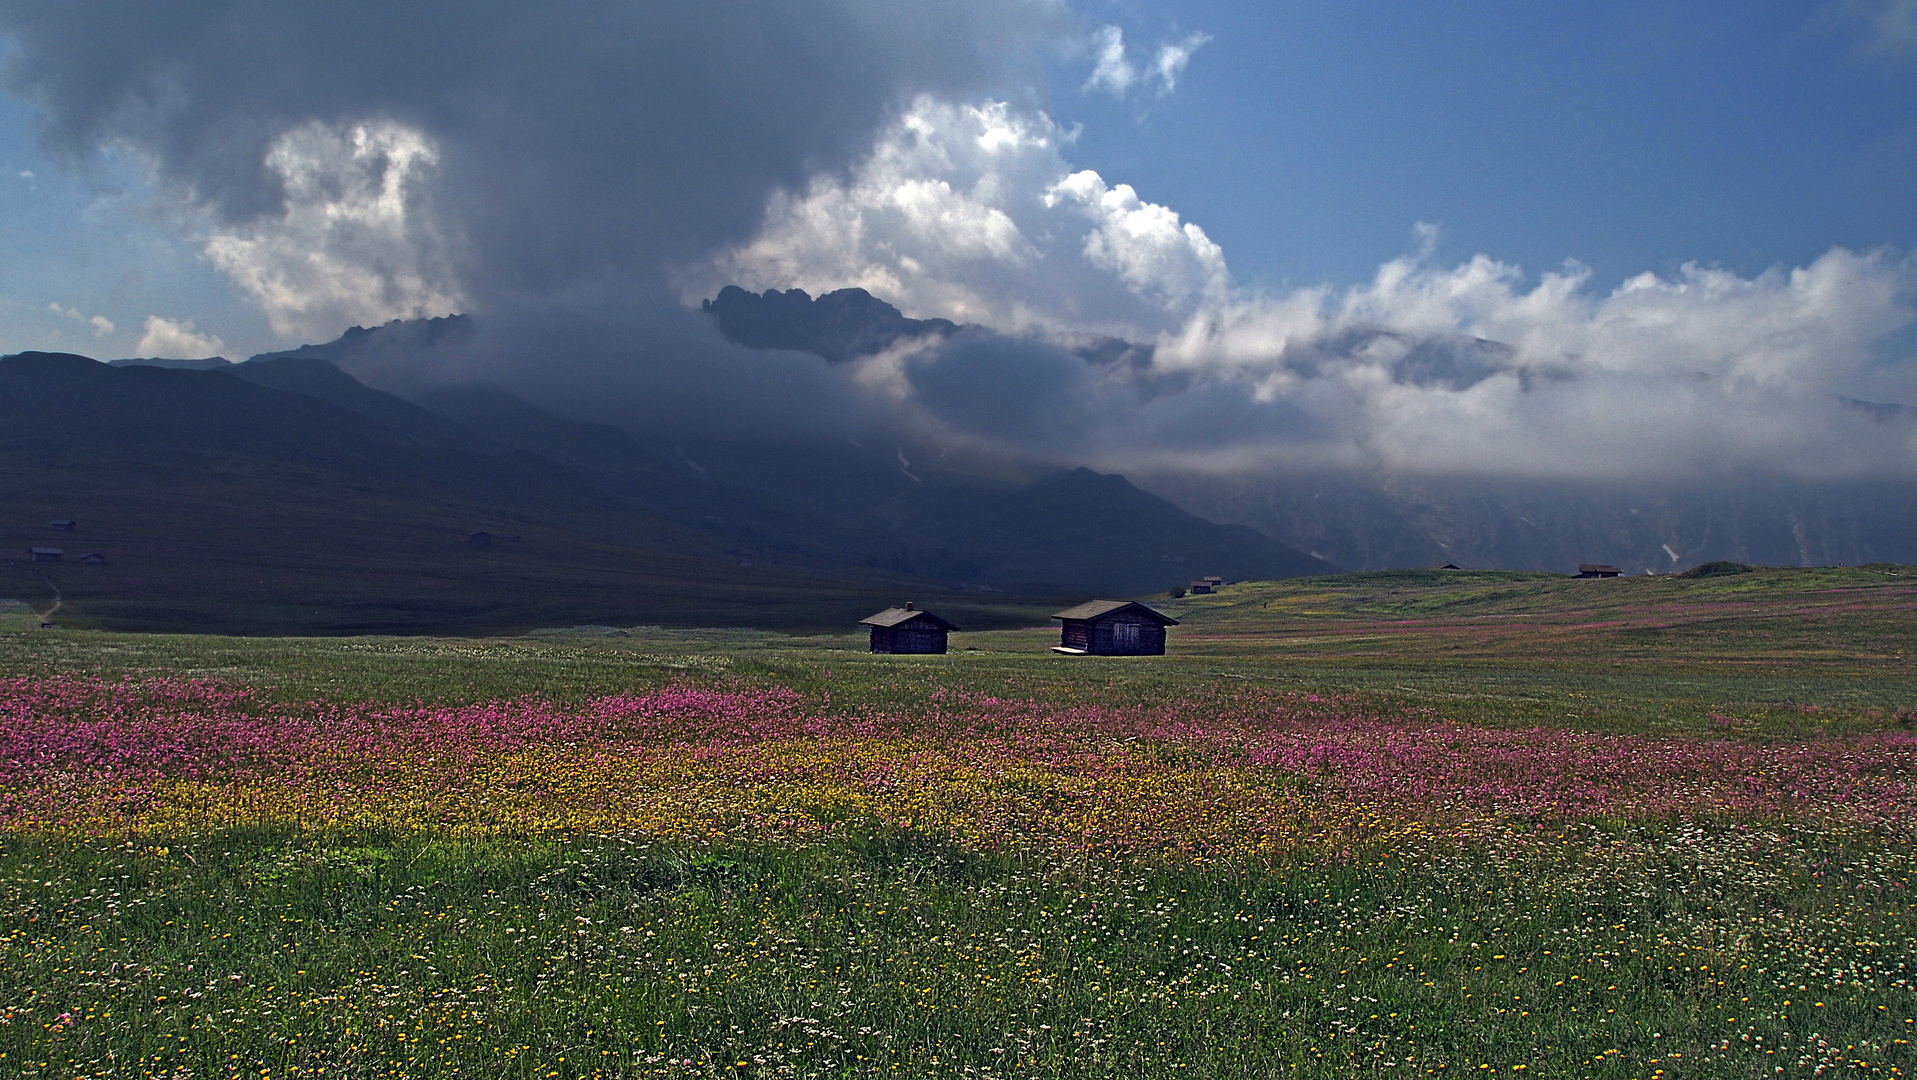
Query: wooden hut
[
  {"x": 906, "y": 629},
  {"x": 1201, "y": 587},
  {"x": 45, "y": 554},
  {"x": 1112, "y": 628},
  {"x": 1593, "y": 570}
]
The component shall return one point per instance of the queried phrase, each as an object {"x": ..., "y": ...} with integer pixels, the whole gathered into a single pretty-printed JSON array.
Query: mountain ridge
[{"x": 347, "y": 495}]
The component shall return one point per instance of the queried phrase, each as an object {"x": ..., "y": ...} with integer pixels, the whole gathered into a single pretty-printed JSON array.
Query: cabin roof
[
  {"x": 1093, "y": 609},
  {"x": 1591, "y": 566},
  {"x": 898, "y": 616}
]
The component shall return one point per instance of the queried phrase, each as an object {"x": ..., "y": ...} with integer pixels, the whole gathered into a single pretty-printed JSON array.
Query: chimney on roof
[{"x": 909, "y": 607}]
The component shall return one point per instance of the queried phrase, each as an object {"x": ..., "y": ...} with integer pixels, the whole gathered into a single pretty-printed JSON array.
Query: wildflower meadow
[{"x": 814, "y": 863}]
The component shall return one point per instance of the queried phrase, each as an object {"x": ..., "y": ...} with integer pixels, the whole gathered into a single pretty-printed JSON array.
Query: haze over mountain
[{"x": 1370, "y": 522}]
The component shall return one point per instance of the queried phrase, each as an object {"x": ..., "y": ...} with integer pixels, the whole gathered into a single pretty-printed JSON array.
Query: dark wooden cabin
[
  {"x": 1112, "y": 628},
  {"x": 907, "y": 630},
  {"x": 1201, "y": 587},
  {"x": 1590, "y": 570},
  {"x": 45, "y": 554}
]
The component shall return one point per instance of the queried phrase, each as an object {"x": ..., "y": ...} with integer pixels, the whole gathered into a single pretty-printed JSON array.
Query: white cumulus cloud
[
  {"x": 1145, "y": 245},
  {"x": 355, "y": 240},
  {"x": 176, "y": 340},
  {"x": 970, "y": 212}
]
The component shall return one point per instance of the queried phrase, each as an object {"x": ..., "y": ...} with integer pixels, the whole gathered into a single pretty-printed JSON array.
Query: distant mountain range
[
  {"x": 1370, "y": 523},
  {"x": 283, "y": 495}
]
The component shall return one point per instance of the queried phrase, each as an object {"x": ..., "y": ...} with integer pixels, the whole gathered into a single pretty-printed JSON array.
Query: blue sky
[
  {"x": 96, "y": 244},
  {"x": 1632, "y": 136}
]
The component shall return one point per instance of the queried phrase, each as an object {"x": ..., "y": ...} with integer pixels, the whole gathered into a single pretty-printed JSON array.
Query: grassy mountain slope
[
  {"x": 282, "y": 495},
  {"x": 1829, "y": 615},
  {"x": 221, "y": 504}
]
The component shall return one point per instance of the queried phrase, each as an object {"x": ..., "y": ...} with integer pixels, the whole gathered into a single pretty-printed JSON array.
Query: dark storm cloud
[
  {"x": 611, "y": 353},
  {"x": 574, "y": 141}
]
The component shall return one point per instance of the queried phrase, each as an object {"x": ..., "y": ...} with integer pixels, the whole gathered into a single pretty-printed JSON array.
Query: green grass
[
  {"x": 1785, "y": 652},
  {"x": 1601, "y": 948},
  {"x": 1713, "y": 952}
]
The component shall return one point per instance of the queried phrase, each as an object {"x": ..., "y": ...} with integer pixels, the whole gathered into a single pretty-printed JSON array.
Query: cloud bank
[{"x": 973, "y": 213}]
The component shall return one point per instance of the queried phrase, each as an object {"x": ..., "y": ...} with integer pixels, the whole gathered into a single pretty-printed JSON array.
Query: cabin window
[{"x": 1125, "y": 635}]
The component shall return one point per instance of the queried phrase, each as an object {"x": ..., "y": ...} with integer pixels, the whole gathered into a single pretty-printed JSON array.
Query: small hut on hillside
[
  {"x": 906, "y": 629},
  {"x": 1112, "y": 628},
  {"x": 45, "y": 554},
  {"x": 1595, "y": 570}
]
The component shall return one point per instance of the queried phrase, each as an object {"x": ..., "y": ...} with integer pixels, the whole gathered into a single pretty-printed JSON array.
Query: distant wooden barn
[
  {"x": 907, "y": 630},
  {"x": 46, "y": 554},
  {"x": 1201, "y": 587},
  {"x": 1594, "y": 570},
  {"x": 1112, "y": 628}
]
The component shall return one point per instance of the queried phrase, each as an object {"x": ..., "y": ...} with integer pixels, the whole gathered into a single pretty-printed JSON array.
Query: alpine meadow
[{"x": 1388, "y": 823}]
